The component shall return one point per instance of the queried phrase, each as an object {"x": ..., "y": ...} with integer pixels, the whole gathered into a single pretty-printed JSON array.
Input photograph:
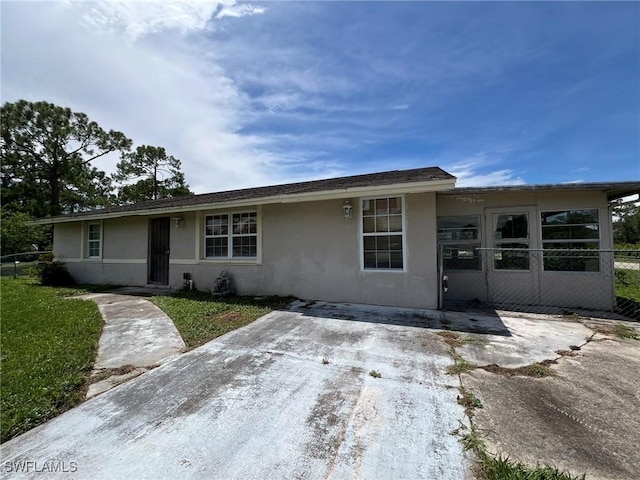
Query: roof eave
[{"x": 393, "y": 189}]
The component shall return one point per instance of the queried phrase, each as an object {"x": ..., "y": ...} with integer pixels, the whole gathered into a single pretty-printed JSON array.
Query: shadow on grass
[{"x": 628, "y": 308}]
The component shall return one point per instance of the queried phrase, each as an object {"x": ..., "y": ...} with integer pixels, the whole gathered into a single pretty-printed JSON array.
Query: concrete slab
[
  {"x": 136, "y": 332},
  {"x": 585, "y": 420},
  {"x": 529, "y": 341},
  {"x": 260, "y": 402}
]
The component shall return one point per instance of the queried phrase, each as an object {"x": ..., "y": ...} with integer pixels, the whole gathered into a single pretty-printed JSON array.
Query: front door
[
  {"x": 158, "y": 261},
  {"x": 511, "y": 267}
]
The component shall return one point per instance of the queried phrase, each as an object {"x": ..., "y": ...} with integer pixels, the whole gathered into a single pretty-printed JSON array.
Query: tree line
[{"x": 47, "y": 156}]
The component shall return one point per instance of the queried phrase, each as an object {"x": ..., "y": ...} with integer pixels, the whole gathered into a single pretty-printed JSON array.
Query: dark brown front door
[{"x": 159, "y": 250}]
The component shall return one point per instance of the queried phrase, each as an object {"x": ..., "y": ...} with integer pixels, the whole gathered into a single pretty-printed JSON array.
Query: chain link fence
[
  {"x": 554, "y": 281},
  {"x": 18, "y": 264}
]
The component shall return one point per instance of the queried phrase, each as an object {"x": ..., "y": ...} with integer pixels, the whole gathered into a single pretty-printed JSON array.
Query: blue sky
[{"x": 249, "y": 94}]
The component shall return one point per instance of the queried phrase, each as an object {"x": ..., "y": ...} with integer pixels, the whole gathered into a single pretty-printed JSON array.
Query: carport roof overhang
[{"x": 613, "y": 190}]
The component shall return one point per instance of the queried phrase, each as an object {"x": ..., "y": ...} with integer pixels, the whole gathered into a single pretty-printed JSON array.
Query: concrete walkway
[{"x": 137, "y": 336}]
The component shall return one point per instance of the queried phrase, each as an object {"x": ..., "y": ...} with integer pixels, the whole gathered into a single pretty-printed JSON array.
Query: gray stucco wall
[
  {"x": 310, "y": 251},
  {"x": 67, "y": 240}
]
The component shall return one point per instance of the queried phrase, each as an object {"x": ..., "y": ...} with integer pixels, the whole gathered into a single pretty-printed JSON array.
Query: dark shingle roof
[{"x": 395, "y": 177}]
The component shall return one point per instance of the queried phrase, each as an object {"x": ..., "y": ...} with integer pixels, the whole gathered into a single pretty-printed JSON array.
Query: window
[
  {"x": 571, "y": 239},
  {"x": 460, "y": 236},
  {"x": 231, "y": 235},
  {"x": 382, "y": 235},
  {"x": 511, "y": 241},
  {"x": 93, "y": 240}
]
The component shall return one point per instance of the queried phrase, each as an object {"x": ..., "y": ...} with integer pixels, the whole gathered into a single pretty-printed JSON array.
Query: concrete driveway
[{"x": 290, "y": 396}]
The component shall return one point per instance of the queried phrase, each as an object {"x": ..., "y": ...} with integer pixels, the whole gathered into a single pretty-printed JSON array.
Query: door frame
[
  {"x": 158, "y": 273},
  {"x": 503, "y": 284}
]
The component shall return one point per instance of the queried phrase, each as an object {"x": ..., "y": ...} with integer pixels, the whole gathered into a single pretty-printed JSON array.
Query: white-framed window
[
  {"x": 94, "y": 240},
  {"x": 383, "y": 233},
  {"x": 571, "y": 239},
  {"x": 460, "y": 239},
  {"x": 231, "y": 235}
]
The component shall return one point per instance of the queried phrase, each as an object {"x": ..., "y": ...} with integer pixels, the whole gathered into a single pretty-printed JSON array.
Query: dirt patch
[
  {"x": 451, "y": 338},
  {"x": 535, "y": 370},
  {"x": 230, "y": 317},
  {"x": 566, "y": 353},
  {"x": 110, "y": 372}
]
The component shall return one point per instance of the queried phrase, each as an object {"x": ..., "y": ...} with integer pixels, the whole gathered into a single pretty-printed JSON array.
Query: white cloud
[
  {"x": 158, "y": 94},
  {"x": 469, "y": 174},
  {"x": 233, "y": 10},
  {"x": 139, "y": 18}
]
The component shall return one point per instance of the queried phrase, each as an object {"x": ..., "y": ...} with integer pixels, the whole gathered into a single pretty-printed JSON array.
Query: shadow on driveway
[{"x": 484, "y": 323}]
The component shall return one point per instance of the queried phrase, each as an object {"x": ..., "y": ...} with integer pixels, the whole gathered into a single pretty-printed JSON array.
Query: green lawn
[
  {"x": 200, "y": 317},
  {"x": 47, "y": 345}
]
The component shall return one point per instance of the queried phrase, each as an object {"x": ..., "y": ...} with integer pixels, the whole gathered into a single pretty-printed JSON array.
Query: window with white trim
[
  {"x": 460, "y": 239},
  {"x": 571, "y": 239},
  {"x": 94, "y": 240},
  {"x": 382, "y": 233},
  {"x": 231, "y": 235}
]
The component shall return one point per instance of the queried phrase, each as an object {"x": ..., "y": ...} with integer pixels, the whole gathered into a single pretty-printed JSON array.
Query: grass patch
[
  {"x": 200, "y": 317},
  {"x": 620, "y": 330},
  {"x": 628, "y": 284},
  {"x": 628, "y": 293},
  {"x": 48, "y": 346},
  {"x": 502, "y": 468},
  {"x": 623, "y": 331},
  {"x": 469, "y": 401},
  {"x": 460, "y": 365},
  {"x": 498, "y": 467}
]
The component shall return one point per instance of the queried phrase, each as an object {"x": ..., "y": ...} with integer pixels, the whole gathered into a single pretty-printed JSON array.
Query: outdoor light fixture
[
  {"x": 347, "y": 209},
  {"x": 178, "y": 222}
]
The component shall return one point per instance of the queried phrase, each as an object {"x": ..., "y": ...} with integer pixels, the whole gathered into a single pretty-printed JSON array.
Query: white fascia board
[{"x": 384, "y": 190}]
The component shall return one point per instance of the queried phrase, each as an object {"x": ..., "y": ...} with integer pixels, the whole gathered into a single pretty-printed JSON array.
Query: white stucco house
[{"x": 383, "y": 238}]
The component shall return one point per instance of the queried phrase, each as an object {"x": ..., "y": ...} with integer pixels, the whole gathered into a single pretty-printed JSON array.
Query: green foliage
[
  {"x": 624, "y": 331},
  {"x": 18, "y": 237},
  {"x": 46, "y": 153},
  {"x": 55, "y": 274},
  {"x": 628, "y": 284},
  {"x": 48, "y": 346},
  {"x": 154, "y": 173},
  {"x": 502, "y": 468},
  {"x": 627, "y": 228},
  {"x": 200, "y": 317},
  {"x": 498, "y": 467}
]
